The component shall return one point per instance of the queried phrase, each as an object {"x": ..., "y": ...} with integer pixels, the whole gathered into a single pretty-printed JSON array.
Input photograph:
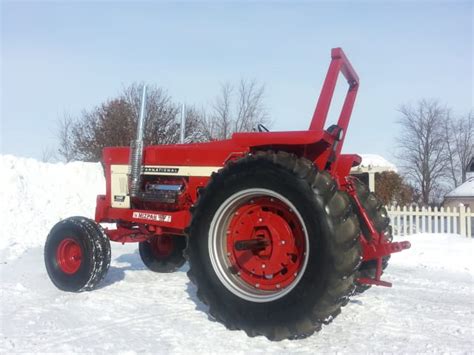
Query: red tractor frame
[{"x": 160, "y": 196}]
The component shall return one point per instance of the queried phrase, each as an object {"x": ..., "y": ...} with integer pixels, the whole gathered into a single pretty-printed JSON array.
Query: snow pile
[
  {"x": 464, "y": 190},
  {"x": 35, "y": 195},
  {"x": 372, "y": 161}
]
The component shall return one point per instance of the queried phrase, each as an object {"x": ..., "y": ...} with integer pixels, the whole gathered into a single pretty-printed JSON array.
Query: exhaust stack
[
  {"x": 183, "y": 124},
  {"x": 136, "y": 150}
]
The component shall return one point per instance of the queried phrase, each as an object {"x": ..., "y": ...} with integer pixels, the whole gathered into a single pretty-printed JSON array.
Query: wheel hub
[
  {"x": 69, "y": 256},
  {"x": 162, "y": 246},
  {"x": 276, "y": 257}
]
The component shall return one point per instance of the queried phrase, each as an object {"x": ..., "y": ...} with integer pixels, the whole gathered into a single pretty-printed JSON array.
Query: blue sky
[{"x": 59, "y": 57}]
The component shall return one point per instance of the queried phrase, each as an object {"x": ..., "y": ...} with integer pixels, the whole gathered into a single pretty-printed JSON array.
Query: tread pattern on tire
[{"x": 343, "y": 245}]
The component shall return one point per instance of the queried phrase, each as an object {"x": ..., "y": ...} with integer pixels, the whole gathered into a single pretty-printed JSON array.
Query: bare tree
[
  {"x": 162, "y": 123},
  {"x": 223, "y": 111},
  {"x": 64, "y": 135},
  {"x": 459, "y": 136},
  {"x": 113, "y": 123},
  {"x": 250, "y": 109},
  {"x": 208, "y": 126},
  {"x": 452, "y": 163},
  {"x": 194, "y": 131},
  {"x": 236, "y": 110},
  {"x": 422, "y": 146},
  {"x": 464, "y": 139}
]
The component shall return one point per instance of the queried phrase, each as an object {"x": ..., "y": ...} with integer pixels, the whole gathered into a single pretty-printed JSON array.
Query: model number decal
[
  {"x": 148, "y": 169},
  {"x": 152, "y": 216}
]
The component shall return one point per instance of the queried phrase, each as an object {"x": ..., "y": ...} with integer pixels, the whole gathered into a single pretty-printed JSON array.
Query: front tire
[
  {"x": 163, "y": 254},
  {"x": 248, "y": 277},
  {"x": 77, "y": 254}
]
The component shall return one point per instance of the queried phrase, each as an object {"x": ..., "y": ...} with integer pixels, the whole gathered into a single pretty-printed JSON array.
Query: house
[
  {"x": 464, "y": 193},
  {"x": 370, "y": 165}
]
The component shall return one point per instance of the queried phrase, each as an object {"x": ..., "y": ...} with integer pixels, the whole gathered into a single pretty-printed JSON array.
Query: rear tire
[
  {"x": 77, "y": 254},
  {"x": 289, "y": 193},
  {"x": 163, "y": 253}
]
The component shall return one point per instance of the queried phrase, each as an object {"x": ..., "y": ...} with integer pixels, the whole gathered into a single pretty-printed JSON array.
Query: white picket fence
[{"x": 413, "y": 219}]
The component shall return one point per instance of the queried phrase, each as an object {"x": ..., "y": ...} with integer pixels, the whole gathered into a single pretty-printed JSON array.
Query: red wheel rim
[
  {"x": 162, "y": 246},
  {"x": 69, "y": 256},
  {"x": 277, "y": 260},
  {"x": 258, "y": 245}
]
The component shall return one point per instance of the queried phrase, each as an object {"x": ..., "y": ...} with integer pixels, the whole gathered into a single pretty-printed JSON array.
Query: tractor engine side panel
[
  {"x": 119, "y": 194},
  {"x": 189, "y": 179}
]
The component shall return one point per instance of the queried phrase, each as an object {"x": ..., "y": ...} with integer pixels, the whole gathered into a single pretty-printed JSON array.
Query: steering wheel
[{"x": 262, "y": 128}]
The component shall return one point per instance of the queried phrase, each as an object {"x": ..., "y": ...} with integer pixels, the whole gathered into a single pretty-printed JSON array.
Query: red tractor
[{"x": 277, "y": 234}]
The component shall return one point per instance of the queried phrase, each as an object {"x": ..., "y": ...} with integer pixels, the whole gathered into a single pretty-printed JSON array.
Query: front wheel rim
[
  {"x": 258, "y": 245},
  {"x": 69, "y": 256},
  {"x": 162, "y": 246}
]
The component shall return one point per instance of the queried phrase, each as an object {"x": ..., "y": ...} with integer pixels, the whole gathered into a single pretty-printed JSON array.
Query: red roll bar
[{"x": 339, "y": 63}]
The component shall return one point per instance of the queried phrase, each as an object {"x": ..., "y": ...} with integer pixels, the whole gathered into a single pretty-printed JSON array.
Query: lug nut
[
  {"x": 257, "y": 285},
  {"x": 278, "y": 285},
  {"x": 263, "y": 266},
  {"x": 260, "y": 220},
  {"x": 282, "y": 242}
]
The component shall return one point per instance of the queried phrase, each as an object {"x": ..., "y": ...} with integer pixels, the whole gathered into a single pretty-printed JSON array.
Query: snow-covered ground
[{"x": 429, "y": 309}]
